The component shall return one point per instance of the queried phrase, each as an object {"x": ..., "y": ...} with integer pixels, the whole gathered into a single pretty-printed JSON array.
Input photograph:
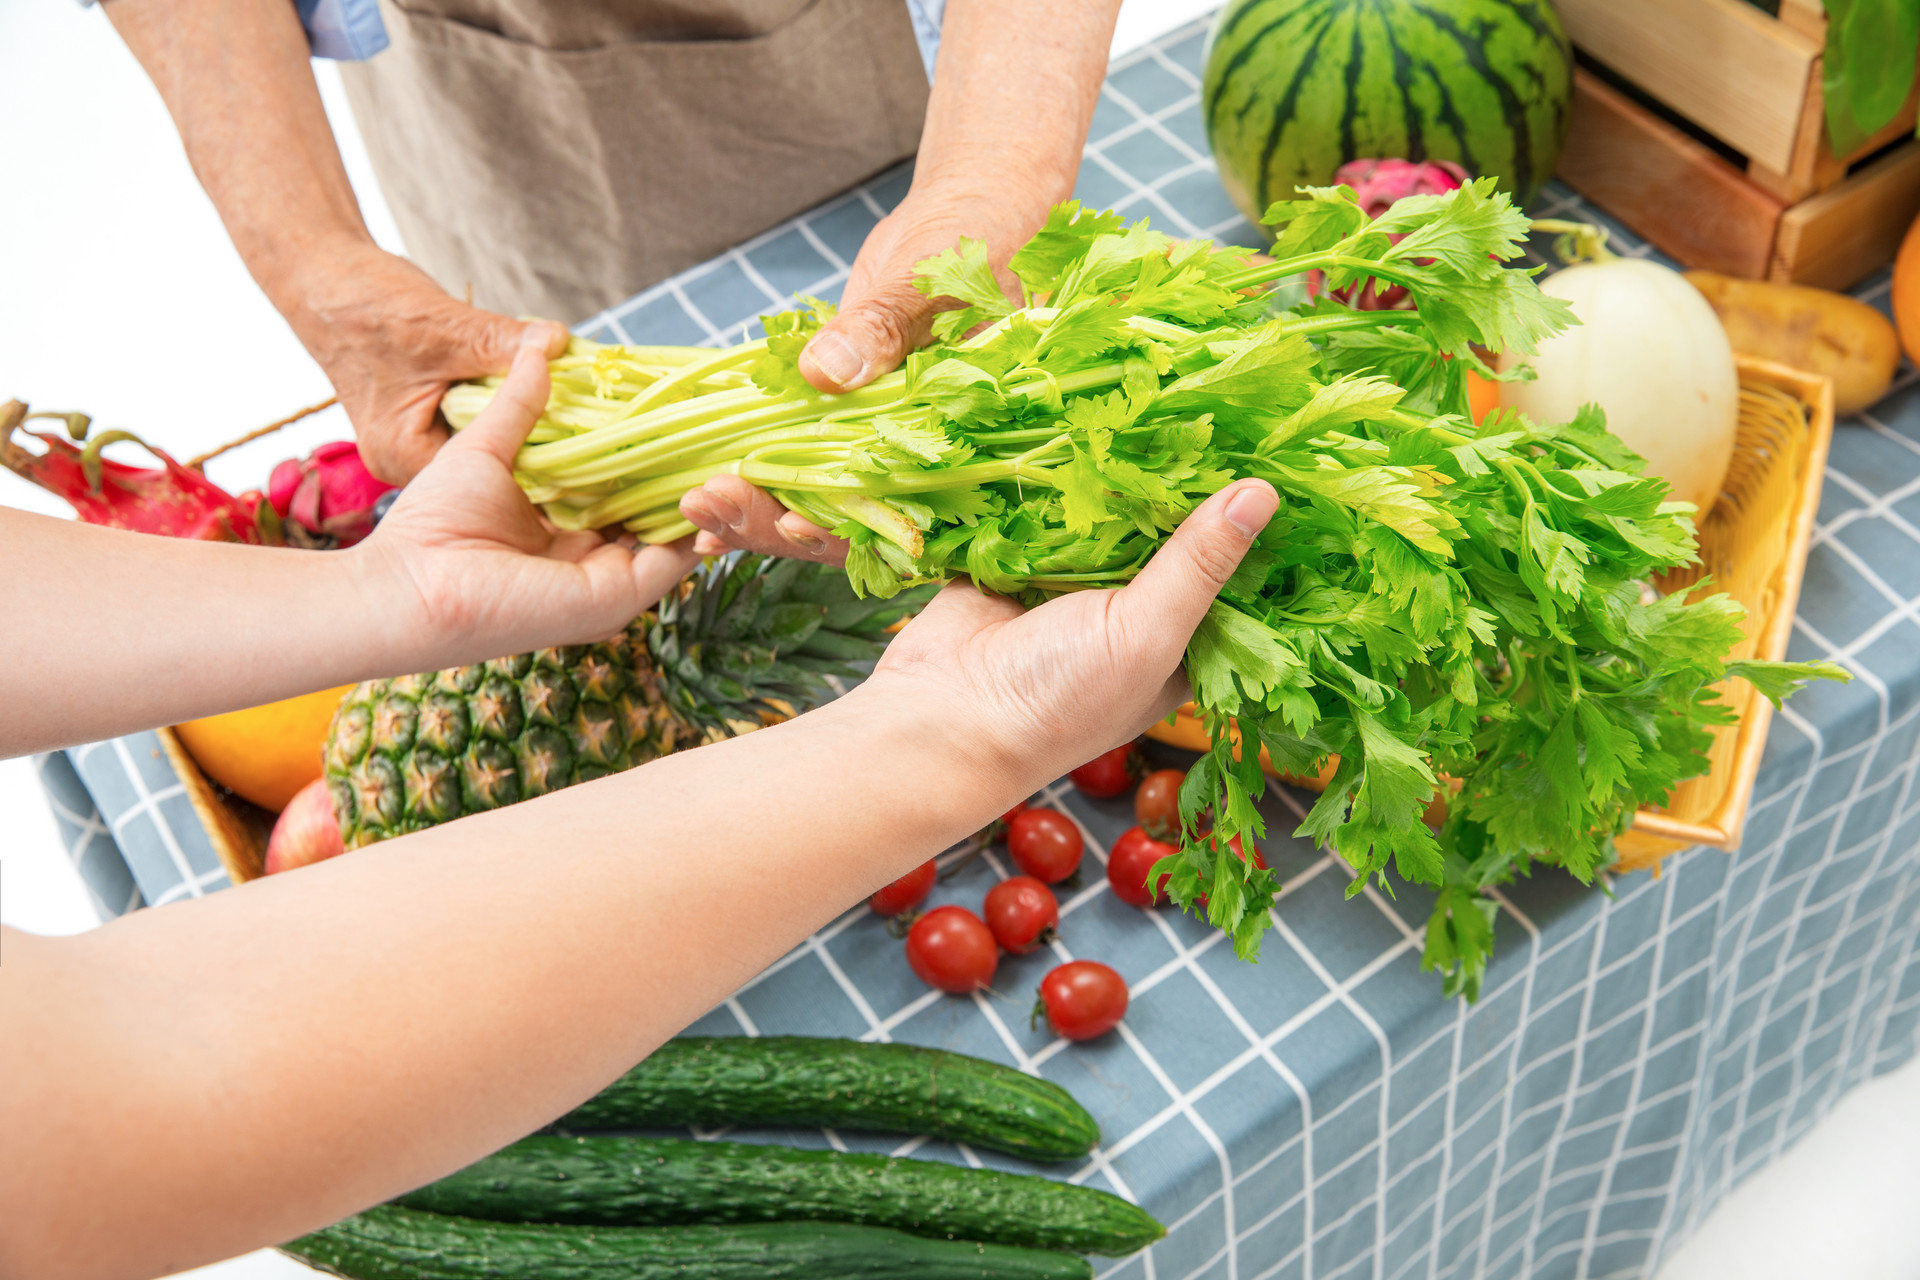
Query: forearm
[
  {"x": 255, "y": 1064},
  {"x": 1014, "y": 92},
  {"x": 236, "y": 77},
  {"x": 106, "y": 631}
]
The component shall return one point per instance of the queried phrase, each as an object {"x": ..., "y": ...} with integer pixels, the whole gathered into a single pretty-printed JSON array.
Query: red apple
[{"x": 306, "y": 831}]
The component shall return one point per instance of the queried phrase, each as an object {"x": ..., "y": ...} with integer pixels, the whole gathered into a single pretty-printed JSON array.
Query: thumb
[
  {"x": 867, "y": 339},
  {"x": 502, "y": 427},
  {"x": 484, "y": 342},
  {"x": 1171, "y": 594}
]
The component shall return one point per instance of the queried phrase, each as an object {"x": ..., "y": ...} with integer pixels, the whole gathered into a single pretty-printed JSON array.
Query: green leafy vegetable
[
  {"x": 1435, "y": 603},
  {"x": 1868, "y": 68}
]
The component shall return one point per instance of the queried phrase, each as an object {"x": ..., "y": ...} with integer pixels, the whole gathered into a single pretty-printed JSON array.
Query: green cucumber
[
  {"x": 404, "y": 1244},
  {"x": 844, "y": 1084},
  {"x": 608, "y": 1181}
]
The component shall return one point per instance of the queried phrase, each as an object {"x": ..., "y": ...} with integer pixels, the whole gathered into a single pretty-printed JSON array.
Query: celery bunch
[{"x": 1432, "y": 598}]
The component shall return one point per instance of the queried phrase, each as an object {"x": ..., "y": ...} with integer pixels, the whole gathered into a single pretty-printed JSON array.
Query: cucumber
[
  {"x": 608, "y": 1181},
  {"x": 403, "y": 1244},
  {"x": 844, "y": 1084}
]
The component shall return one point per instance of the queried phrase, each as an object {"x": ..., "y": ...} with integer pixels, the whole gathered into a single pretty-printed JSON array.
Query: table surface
[{"x": 1640, "y": 1048}]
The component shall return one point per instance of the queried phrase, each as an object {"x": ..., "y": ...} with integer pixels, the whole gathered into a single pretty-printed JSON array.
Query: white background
[{"x": 120, "y": 296}]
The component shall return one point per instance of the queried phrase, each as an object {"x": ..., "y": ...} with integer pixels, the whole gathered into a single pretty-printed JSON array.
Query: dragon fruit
[
  {"x": 1377, "y": 184},
  {"x": 172, "y": 500},
  {"x": 326, "y": 498}
]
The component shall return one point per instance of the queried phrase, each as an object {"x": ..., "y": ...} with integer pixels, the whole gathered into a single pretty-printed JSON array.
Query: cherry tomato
[
  {"x": 1234, "y": 844},
  {"x": 1022, "y": 913},
  {"x": 1107, "y": 775},
  {"x": 1132, "y": 856},
  {"x": 1083, "y": 999},
  {"x": 906, "y": 893},
  {"x": 1156, "y": 805},
  {"x": 1045, "y": 844},
  {"x": 1020, "y": 806},
  {"x": 951, "y": 949}
]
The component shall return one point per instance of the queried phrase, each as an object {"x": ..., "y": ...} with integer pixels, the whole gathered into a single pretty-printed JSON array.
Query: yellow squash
[{"x": 1812, "y": 329}]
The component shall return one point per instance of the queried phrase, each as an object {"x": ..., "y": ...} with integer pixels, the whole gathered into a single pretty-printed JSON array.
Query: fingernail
[
  {"x": 805, "y": 540},
  {"x": 536, "y": 337},
  {"x": 834, "y": 356},
  {"x": 1251, "y": 508},
  {"x": 706, "y": 544},
  {"x": 724, "y": 507}
]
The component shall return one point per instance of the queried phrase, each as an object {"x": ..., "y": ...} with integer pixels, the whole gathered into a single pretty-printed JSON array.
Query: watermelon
[{"x": 1296, "y": 88}]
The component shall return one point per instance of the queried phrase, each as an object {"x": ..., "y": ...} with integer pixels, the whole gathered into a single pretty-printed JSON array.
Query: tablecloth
[{"x": 1641, "y": 1047}]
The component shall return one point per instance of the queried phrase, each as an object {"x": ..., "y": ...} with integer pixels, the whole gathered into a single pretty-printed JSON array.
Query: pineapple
[{"x": 745, "y": 642}]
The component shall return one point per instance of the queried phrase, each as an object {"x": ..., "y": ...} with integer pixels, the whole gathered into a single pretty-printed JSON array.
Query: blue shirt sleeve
[
  {"x": 927, "y": 15},
  {"x": 344, "y": 30}
]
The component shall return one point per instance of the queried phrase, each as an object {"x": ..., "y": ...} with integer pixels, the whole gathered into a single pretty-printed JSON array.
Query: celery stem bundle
[{"x": 1433, "y": 597}]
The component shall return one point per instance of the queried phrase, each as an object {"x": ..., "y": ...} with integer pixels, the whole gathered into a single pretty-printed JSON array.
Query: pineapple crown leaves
[{"x": 746, "y": 631}]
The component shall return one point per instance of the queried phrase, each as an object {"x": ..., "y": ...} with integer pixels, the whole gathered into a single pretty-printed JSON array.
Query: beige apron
[{"x": 562, "y": 155}]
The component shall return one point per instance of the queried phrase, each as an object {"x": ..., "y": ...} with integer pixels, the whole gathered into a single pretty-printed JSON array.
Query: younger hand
[
  {"x": 1044, "y": 690},
  {"x": 477, "y": 569}
]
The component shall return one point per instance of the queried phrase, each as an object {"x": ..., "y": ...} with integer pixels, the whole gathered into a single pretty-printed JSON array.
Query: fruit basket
[
  {"x": 1701, "y": 124},
  {"x": 236, "y": 828},
  {"x": 1754, "y": 545}
]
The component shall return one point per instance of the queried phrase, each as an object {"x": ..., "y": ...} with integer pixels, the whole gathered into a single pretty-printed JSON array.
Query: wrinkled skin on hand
[
  {"x": 392, "y": 341},
  {"x": 882, "y": 317}
]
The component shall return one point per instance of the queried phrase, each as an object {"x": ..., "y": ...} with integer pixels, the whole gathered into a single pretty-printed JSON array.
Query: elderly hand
[
  {"x": 391, "y": 342},
  {"x": 481, "y": 571},
  {"x": 882, "y": 317},
  {"x": 1041, "y": 691}
]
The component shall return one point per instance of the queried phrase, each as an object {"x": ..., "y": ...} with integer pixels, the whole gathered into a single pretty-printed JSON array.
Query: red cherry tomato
[
  {"x": 1020, "y": 806},
  {"x": 1234, "y": 844},
  {"x": 1022, "y": 913},
  {"x": 1045, "y": 844},
  {"x": 951, "y": 949},
  {"x": 1132, "y": 856},
  {"x": 906, "y": 893},
  {"x": 1107, "y": 775},
  {"x": 1083, "y": 999},
  {"x": 1156, "y": 805}
]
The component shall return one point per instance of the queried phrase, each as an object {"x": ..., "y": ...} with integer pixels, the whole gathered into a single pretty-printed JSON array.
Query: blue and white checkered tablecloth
[{"x": 1640, "y": 1048}]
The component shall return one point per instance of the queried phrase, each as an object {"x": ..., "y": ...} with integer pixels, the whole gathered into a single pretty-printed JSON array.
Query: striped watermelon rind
[{"x": 1296, "y": 88}]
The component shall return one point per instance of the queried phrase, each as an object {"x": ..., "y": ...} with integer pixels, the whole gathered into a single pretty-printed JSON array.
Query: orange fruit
[
  {"x": 268, "y": 753},
  {"x": 1483, "y": 395},
  {"x": 1906, "y": 291}
]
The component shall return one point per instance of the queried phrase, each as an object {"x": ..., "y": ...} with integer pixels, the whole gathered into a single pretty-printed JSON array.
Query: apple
[{"x": 306, "y": 832}]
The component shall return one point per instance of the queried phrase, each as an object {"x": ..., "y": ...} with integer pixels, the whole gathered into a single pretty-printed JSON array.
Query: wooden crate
[
  {"x": 1791, "y": 210},
  {"x": 1754, "y": 544}
]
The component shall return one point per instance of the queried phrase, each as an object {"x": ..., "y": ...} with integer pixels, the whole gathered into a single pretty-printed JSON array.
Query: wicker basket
[
  {"x": 1754, "y": 544},
  {"x": 237, "y": 828}
]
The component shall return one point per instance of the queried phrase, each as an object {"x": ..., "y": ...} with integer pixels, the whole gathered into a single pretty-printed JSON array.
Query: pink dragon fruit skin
[
  {"x": 330, "y": 492},
  {"x": 170, "y": 500},
  {"x": 1377, "y": 184}
]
